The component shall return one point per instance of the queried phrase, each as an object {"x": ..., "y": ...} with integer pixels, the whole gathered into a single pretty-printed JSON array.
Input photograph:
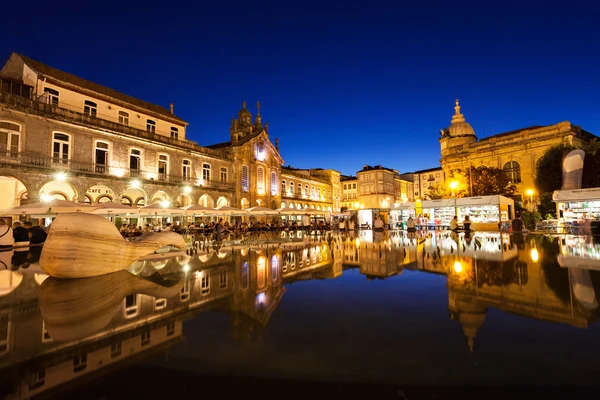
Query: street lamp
[
  {"x": 530, "y": 192},
  {"x": 453, "y": 187}
]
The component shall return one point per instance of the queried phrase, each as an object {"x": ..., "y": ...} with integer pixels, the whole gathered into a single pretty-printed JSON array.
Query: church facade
[{"x": 516, "y": 152}]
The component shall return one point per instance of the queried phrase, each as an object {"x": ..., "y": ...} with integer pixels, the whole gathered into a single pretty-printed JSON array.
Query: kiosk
[
  {"x": 400, "y": 213},
  {"x": 577, "y": 204},
  {"x": 485, "y": 212}
]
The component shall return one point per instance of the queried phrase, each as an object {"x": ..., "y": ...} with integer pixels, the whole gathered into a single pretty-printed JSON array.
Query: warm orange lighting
[
  {"x": 458, "y": 267},
  {"x": 453, "y": 185},
  {"x": 529, "y": 192},
  {"x": 534, "y": 255}
]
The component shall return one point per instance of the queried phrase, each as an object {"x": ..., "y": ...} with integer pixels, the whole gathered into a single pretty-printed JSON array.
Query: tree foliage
[
  {"x": 490, "y": 181},
  {"x": 548, "y": 174},
  {"x": 486, "y": 181}
]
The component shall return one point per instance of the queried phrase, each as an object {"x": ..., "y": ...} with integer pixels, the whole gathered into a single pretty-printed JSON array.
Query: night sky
[{"x": 341, "y": 84}]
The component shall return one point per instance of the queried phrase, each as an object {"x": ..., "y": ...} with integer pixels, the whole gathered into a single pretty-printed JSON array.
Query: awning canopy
[
  {"x": 468, "y": 201},
  {"x": 590, "y": 194}
]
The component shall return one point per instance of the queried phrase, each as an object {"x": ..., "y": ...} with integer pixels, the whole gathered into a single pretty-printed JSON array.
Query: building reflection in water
[{"x": 55, "y": 331}]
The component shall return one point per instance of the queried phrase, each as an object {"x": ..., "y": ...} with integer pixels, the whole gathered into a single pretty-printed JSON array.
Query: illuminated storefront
[
  {"x": 485, "y": 212},
  {"x": 577, "y": 204}
]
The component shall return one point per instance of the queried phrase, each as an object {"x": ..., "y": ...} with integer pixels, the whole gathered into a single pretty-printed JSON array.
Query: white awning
[{"x": 591, "y": 194}]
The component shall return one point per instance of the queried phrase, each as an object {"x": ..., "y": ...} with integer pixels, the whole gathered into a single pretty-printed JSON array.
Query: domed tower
[
  {"x": 470, "y": 315},
  {"x": 459, "y": 132}
]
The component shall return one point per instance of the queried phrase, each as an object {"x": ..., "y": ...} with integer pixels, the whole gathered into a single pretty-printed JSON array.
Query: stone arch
[
  {"x": 206, "y": 200},
  {"x": 101, "y": 193},
  {"x": 245, "y": 203},
  {"x": 14, "y": 192},
  {"x": 222, "y": 201},
  {"x": 160, "y": 196},
  {"x": 274, "y": 205},
  {"x": 58, "y": 189},
  {"x": 184, "y": 200},
  {"x": 134, "y": 197}
]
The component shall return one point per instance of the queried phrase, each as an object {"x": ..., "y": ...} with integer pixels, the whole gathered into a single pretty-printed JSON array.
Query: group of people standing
[{"x": 21, "y": 234}]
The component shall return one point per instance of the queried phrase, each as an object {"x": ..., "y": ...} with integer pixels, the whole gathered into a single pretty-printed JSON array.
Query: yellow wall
[{"x": 75, "y": 101}]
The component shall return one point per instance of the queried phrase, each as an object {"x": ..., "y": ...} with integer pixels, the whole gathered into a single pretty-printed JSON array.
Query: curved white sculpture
[
  {"x": 74, "y": 309},
  {"x": 84, "y": 245}
]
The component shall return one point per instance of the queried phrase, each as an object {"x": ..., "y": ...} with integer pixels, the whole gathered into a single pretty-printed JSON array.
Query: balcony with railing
[
  {"x": 46, "y": 110},
  {"x": 303, "y": 196},
  {"x": 49, "y": 165}
]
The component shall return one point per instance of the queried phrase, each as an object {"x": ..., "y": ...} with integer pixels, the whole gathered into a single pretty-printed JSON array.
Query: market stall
[
  {"x": 577, "y": 204},
  {"x": 485, "y": 212},
  {"x": 400, "y": 213},
  {"x": 438, "y": 213}
]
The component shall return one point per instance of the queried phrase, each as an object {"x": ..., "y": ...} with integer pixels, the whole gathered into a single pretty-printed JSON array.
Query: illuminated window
[
  {"x": 163, "y": 166},
  {"x": 187, "y": 170},
  {"x": 223, "y": 174},
  {"x": 52, "y": 96},
  {"x": 135, "y": 161},
  {"x": 159, "y": 304},
  {"x": 101, "y": 156},
  {"x": 292, "y": 187},
  {"x": 300, "y": 188},
  {"x": 184, "y": 295},
  {"x": 273, "y": 183},
  {"x": 245, "y": 278},
  {"x": 512, "y": 169},
  {"x": 174, "y": 133},
  {"x": 306, "y": 190},
  {"x": 60, "y": 148},
  {"x": 123, "y": 118},
  {"x": 245, "y": 180},
  {"x": 150, "y": 126},
  {"x": 90, "y": 108},
  {"x": 260, "y": 179},
  {"x": 205, "y": 284},
  {"x": 283, "y": 188},
  {"x": 206, "y": 172},
  {"x": 10, "y": 136}
]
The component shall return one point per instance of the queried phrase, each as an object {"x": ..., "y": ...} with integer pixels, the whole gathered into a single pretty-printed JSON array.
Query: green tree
[
  {"x": 548, "y": 171},
  {"x": 490, "y": 181},
  {"x": 443, "y": 190}
]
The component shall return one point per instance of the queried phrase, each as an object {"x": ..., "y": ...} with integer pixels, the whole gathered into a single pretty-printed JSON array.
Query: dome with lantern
[{"x": 459, "y": 126}]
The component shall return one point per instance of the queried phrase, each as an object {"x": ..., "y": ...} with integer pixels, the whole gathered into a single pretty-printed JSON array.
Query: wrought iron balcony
[
  {"x": 49, "y": 165},
  {"x": 62, "y": 114}
]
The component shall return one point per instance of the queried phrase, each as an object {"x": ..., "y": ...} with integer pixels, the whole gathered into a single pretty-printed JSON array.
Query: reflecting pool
[{"x": 437, "y": 308}]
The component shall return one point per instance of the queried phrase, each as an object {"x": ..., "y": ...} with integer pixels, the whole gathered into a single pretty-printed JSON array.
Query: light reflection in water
[{"x": 544, "y": 278}]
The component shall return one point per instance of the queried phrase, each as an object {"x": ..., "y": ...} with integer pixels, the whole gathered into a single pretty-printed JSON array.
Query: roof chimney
[{"x": 171, "y": 106}]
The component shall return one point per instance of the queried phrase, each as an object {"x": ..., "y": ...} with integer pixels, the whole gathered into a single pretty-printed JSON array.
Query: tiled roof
[
  {"x": 426, "y": 170},
  {"x": 62, "y": 76},
  {"x": 511, "y": 132}
]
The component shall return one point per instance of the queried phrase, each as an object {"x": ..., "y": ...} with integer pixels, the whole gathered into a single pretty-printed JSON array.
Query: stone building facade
[
  {"x": 67, "y": 138},
  {"x": 380, "y": 187},
  {"x": 304, "y": 188},
  {"x": 516, "y": 152}
]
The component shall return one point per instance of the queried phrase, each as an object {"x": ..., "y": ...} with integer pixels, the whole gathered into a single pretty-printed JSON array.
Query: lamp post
[
  {"x": 453, "y": 187},
  {"x": 530, "y": 192}
]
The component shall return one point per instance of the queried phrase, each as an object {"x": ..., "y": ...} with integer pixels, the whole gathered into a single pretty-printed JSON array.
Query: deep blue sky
[{"x": 341, "y": 84}]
